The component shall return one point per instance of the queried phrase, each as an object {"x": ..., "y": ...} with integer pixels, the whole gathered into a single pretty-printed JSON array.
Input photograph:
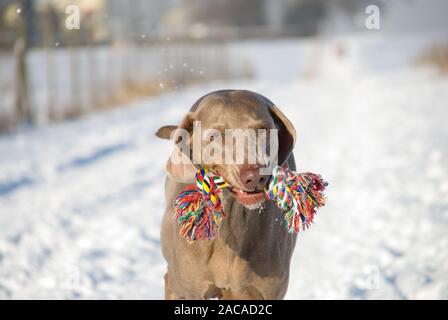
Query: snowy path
[
  {"x": 384, "y": 233},
  {"x": 81, "y": 202}
]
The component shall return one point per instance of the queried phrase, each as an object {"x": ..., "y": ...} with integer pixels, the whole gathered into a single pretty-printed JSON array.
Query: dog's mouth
[{"x": 249, "y": 199}]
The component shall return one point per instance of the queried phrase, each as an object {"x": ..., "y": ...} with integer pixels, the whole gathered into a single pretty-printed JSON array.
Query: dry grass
[
  {"x": 6, "y": 123},
  {"x": 130, "y": 93},
  {"x": 436, "y": 56}
]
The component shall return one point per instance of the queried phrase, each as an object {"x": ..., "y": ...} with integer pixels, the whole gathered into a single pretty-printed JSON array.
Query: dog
[{"x": 250, "y": 257}]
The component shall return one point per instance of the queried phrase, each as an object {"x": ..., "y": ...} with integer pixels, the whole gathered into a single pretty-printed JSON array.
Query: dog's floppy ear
[
  {"x": 165, "y": 132},
  {"x": 179, "y": 166},
  {"x": 286, "y": 134}
]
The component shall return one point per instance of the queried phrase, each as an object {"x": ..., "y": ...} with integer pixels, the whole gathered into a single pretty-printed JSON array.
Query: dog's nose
[{"x": 251, "y": 178}]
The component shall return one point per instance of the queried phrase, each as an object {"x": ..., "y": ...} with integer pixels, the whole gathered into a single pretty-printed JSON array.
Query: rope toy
[
  {"x": 199, "y": 212},
  {"x": 198, "y": 207},
  {"x": 299, "y": 195}
]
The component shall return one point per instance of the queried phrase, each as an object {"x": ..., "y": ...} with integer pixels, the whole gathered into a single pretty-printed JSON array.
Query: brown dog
[{"x": 251, "y": 256}]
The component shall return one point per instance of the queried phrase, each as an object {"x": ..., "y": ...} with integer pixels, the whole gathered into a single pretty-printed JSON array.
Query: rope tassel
[
  {"x": 298, "y": 194},
  {"x": 198, "y": 207}
]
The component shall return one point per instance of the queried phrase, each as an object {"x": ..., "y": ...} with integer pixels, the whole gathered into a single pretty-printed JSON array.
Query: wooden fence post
[
  {"x": 49, "y": 39},
  {"x": 75, "y": 70},
  {"x": 20, "y": 52}
]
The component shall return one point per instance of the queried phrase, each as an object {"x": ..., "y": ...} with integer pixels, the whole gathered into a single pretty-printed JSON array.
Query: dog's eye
[{"x": 212, "y": 136}]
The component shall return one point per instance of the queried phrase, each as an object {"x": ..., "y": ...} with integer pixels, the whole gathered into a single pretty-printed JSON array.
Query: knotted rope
[
  {"x": 198, "y": 207},
  {"x": 299, "y": 195},
  {"x": 199, "y": 212}
]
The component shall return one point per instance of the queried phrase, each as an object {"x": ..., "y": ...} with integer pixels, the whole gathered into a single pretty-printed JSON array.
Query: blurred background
[{"x": 85, "y": 84}]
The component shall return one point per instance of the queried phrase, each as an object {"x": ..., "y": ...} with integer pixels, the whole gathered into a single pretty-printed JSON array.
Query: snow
[{"x": 81, "y": 201}]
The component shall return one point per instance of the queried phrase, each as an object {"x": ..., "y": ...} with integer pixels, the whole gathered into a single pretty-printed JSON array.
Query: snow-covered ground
[{"x": 81, "y": 202}]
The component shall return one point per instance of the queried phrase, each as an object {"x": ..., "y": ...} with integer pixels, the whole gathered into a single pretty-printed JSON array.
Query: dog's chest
[{"x": 252, "y": 245}]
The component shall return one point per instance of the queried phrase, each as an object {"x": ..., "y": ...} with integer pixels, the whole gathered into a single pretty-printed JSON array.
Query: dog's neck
[{"x": 240, "y": 222}]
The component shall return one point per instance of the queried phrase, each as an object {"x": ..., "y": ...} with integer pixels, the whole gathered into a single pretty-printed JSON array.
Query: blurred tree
[
  {"x": 227, "y": 12},
  {"x": 8, "y": 20},
  {"x": 305, "y": 16},
  {"x": 25, "y": 38},
  {"x": 29, "y": 17}
]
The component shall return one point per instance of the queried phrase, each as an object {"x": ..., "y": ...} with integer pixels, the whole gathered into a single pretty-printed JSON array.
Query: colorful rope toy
[
  {"x": 198, "y": 207},
  {"x": 298, "y": 194},
  {"x": 199, "y": 212}
]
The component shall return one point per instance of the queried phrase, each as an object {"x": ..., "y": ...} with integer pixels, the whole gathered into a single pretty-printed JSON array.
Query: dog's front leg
[{"x": 169, "y": 294}]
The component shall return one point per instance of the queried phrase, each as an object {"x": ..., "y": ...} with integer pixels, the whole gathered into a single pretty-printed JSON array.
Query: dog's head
[{"x": 236, "y": 134}]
